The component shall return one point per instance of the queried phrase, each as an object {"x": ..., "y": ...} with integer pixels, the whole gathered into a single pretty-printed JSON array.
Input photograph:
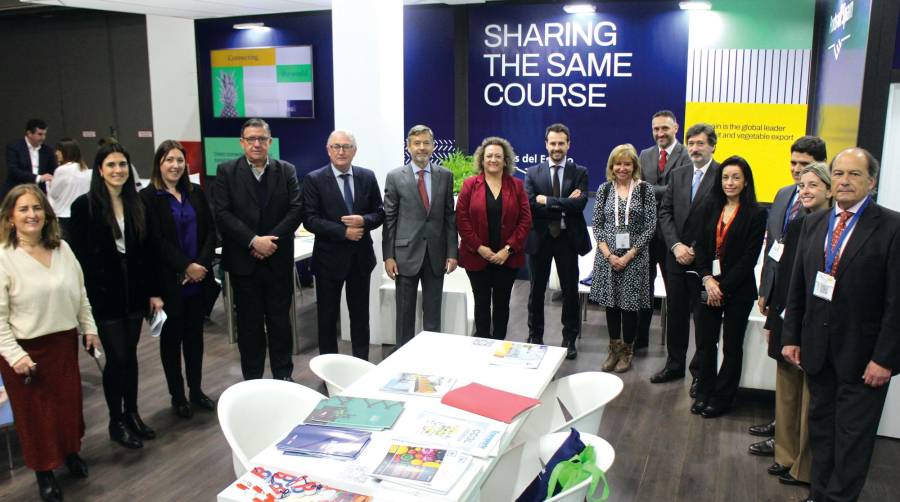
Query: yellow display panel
[{"x": 243, "y": 57}]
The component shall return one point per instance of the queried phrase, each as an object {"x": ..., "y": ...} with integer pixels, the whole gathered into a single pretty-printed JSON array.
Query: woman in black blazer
[
  {"x": 182, "y": 230},
  {"x": 726, "y": 254},
  {"x": 109, "y": 237}
]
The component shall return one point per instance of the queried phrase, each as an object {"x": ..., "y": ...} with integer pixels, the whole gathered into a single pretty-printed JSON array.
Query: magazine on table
[
  {"x": 518, "y": 355},
  {"x": 419, "y": 385},
  {"x": 475, "y": 437},
  {"x": 356, "y": 412},
  {"x": 324, "y": 441},
  {"x": 261, "y": 483},
  {"x": 415, "y": 466}
]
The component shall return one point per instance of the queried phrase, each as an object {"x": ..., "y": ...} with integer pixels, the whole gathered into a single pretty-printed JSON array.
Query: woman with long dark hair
[
  {"x": 182, "y": 230},
  {"x": 70, "y": 180},
  {"x": 110, "y": 239},
  {"x": 725, "y": 256}
]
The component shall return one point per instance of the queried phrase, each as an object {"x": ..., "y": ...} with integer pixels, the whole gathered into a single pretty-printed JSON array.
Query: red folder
[{"x": 489, "y": 402}]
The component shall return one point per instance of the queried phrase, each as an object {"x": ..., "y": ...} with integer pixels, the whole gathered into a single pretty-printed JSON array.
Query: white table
[
  {"x": 430, "y": 353},
  {"x": 303, "y": 247}
]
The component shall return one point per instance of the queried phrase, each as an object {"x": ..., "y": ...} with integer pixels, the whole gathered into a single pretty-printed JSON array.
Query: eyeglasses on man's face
[
  {"x": 256, "y": 139},
  {"x": 338, "y": 147}
]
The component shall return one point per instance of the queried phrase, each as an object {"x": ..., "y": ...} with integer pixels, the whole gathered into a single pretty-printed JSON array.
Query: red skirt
[{"x": 47, "y": 411}]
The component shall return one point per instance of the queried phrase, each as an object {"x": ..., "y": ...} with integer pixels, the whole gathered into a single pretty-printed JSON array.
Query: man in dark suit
[
  {"x": 657, "y": 162},
  {"x": 29, "y": 160},
  {"x": 258, "y": 209},
  {"x": 680, "y": 220},
  {"x": 785, "y": 208},
  {"x": 419, "y": 242},
  {"x": 557, "y": 190},
  {"x": 342, "y": 204},
  {"x": 842, "y": 324}
]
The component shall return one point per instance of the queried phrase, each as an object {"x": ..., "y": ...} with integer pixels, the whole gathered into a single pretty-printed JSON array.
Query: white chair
[
  {"x": 581, "y": 397},
  {"x": 339, "y": 370},
  {"x": 255, "y": 413},
  {"x": 520, "y": 465}
]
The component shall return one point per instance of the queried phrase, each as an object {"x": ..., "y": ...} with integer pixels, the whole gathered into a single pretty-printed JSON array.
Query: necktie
[
  {"x": 423, "y": 193},
  {"x": 836, "y": 236},
  {"x": 698, "y": 175},
  {"x": 663, "y": 157},
  {"x": 795, "y": 208},
  {"x": 348, "y": 194},
  {"x": 554, "y": 226}
]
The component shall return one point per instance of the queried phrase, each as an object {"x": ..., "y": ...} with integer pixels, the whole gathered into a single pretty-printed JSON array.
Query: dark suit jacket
[
  {"x": 537, "y": 182},
  {"x": 472, "y": 221},
  {"x": 774, "y": 227},
  {"x": 777, "y": 298},
  {"x": 18, "y": 163},
  {"x": 862, "y": 320},
  {"x": 104, "y": 279},
  {"x": 740, "y": 251},
  {"x": 649, "y": 159},
  {"x": 164, "y": 237},
  {"x": 323, "y": 204},
  {"x": 680, "y": 218},
  {"x": 238, "y": 213}
]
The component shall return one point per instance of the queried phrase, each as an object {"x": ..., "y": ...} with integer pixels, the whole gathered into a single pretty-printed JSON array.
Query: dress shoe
[
  {"x": 76, "y": 465},
  {"x": 201, "y": 400},
  {"x": 762, "y": 430},
  {"x": 48, "y": 487},
  {"x": 571, "y": 351},
  {"x": 182, "y": 409},
  {"x": 777, "y": 469},
  {"x": 537, "y": 340},
  {"x": 693, "y": 390},
  {"x": 698, "y": 407},
  {"x": 714, "y": 411},
  {"x": 787, "y": 479},
  {"x": 765, "y": 448},
  {"x": 667, "y": 375},
  {"x": 121, "y": 434},
  {"x": 134, "y": 422}
]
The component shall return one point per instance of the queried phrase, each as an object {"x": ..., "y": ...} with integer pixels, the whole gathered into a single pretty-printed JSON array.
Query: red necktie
[
  {"x": 795, "y": 209},
  {"x": 663, "y": 156},
  {"x": 836, "y": 236},
  {"x": 423, "y": 193}
]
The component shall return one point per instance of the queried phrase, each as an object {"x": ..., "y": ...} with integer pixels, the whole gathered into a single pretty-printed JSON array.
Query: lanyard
[
  {"x": 722, "y": 230},
  {"x": 627, "y": 202},
  {"x": 831, "y": 253},
  {"x": 787, "y": 214}
]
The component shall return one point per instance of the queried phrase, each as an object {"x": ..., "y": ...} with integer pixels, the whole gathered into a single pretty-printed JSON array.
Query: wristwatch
[{"x": 508, "y": 249}]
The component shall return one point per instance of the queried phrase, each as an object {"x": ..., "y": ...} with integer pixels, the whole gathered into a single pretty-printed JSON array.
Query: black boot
[
  {"x": 134, "y": 422},
  {"x": 77, "y": 467},
  {"x": 47, "y": 486},
  {"x": 121, "y": 434}
]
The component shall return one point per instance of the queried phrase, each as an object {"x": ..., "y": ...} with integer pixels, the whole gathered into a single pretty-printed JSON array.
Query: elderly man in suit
[
  {"x": 29, "y": 160},
  {"x": 258, "y": 208},
  {"x": 557, "y": 190},
  {"x": 785, "y": 208},
  {"x": 419, "y": 242},
  {"x": 657, "y": 162},
  {"x": 842, "y": 324},
  {"x": 342, "y": 204},
  {"x": 681, "y": 220}
]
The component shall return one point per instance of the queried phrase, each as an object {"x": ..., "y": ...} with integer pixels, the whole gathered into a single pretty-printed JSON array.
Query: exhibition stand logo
[{"x": 839, "y": 22}]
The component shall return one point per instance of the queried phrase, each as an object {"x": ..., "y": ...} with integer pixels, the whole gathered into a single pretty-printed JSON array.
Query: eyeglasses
[
  {"x": 257, "y": 139},
  {"x": 344, "y": 147}
]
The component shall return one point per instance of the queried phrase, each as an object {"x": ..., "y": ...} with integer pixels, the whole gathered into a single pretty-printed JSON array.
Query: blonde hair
[
  {"x": 509, "y": 156},
  {"x": 50, "y": 234},
  {"x": 628, "y": 151}
]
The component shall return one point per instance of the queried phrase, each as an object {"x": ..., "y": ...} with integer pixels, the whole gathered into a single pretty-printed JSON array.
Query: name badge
[
  {"x": 717, "y": 268},
  {"x": 623, "y": 240},
  {"x": 776, "y": 251},
  {"x": 824, "y": 286}
]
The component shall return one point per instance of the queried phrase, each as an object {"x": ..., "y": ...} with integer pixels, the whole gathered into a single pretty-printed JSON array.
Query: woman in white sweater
[
  {"x": 70, "y": 180},
  {"x": 43, "y": 306}
]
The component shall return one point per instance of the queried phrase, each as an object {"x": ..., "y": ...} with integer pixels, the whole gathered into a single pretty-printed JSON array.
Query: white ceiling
[{"x": 199, "y": 9}]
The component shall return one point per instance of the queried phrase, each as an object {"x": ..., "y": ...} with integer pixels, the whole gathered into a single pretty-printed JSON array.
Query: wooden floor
[{"x": 662, "y": 451}]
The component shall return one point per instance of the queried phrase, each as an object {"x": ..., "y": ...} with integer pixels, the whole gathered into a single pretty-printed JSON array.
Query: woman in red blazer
[{"x": 493, "y": 218}]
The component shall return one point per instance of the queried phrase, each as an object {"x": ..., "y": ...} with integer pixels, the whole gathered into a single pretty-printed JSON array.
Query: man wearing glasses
[
  {"x": 342, "y": 204},
  {"x": 258, "y": 208}
]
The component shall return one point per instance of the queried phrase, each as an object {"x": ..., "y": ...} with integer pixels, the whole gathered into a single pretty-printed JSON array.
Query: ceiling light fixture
[
  {"x": 579, "y": 8},
  {"x": 695, "y": 5},
  {"x": 249, "y": 26}
]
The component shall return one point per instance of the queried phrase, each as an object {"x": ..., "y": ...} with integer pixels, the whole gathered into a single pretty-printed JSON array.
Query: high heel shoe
[
  {"x": 120, "y": 433},
  {"x": 47, "y": 486},
  {"x": 76, "y": 465},
  {"x": 134, "y": 422}
]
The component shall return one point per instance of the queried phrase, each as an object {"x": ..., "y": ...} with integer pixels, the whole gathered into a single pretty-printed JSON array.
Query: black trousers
[
  {"x": 843, "y": 421},
  {"x": 622, "y": 324},
  {"x": 328, "y": 308},
  {"x": 681, "y": 296},
  {"x": 263, "y": 302},
  {"x": 120, "y": 375},
  {"x": 493, "y": 284},
  {"x": 719, "y": 387},
  {"x": 560, "y": 250},
  {"x": 657, "y": 251},
  {"x": 183, "y": 334}
]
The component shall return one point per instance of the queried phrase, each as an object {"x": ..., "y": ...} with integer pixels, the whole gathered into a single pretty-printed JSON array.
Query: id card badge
[
  {"x": 623, "y": 240},
  {"x": 717, "y": 268},
  {"x": 824, "y": 286},
  {"x": 776, "y": 251}
]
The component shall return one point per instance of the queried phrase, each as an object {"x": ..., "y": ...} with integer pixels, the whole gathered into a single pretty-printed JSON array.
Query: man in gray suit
[
  {"x": 419, "y": 240},
  {"x": 656, "y": 163}
]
